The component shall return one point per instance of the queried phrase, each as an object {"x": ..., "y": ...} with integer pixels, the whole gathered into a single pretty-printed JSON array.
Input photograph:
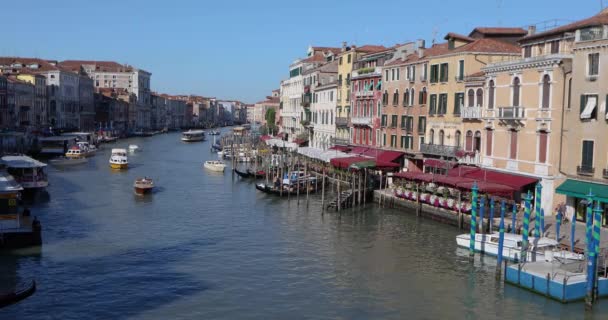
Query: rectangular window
[
  {"x": 587, "y": 156},
  {"x": 460, "y": 70},
  {"x": 340, "y": 63},
  {"x": 589, "y": 108},
  {"x": 513, "y": 147},
  {"x": 403, "y": 144},
  {"x": 458, "y": 102},
  {"x": 397, "y": 74},
  {"x": 443, "y": 104},
  {"x": 421, "y": 125},
  {"x": 555, "y": 46},
  {"x": 386, "y": 75},
  {"x": 489, "y": 136},
  {"x": 384, "y": 118},
  {"x": 593, "y": 65},
  {"x": 443, "y": 73},
  {"x": 394, "y": 121},
  {"x": 348, "y": 58},
  {"x": 425, "y": 71},
  {"x": 413, "y": 78},
  {"x": 435, "y": 73},
  {"x": 433, "y": 105},
  {"x": 392, "y": 74},
  {"x": 393, "y": 141},
  {"x": 384, "y": 139},
  {"x": 542, "y": 147},
  {"x": 403, "y": 121},
  {"x": 527, "y": 51},
  {"x": 410, "y": 124}
]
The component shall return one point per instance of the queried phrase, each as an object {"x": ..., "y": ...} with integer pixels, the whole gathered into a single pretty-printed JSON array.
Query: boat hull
[
  {"x": 119, "y": 166},
  {"x": 143, "y": 190},
  {"x": 197, "y": 139},
  {"x": 68, "y": 162},
  {"x": 214, "y": 168},
  {"x": 14, "y": 297}
]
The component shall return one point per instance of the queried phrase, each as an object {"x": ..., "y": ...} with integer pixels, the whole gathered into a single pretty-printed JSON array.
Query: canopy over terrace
[
  {"x": 323, "y": 155},
  {"x": 364, "y": 157},
  {"x": 282, "y": 144}
]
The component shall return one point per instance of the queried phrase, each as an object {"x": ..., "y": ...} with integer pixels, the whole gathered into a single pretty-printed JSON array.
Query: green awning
[
  {"x": 370, "y": 164},
  {"x": 580, "y": 189}
]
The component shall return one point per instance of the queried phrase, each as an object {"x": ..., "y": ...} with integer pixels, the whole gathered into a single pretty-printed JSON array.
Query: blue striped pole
[
  {"x": 514, "y": 217},
  {"x": 491, "y": 220},
  {"x": 597, "y": 226},
  {"x": 542, "y": 222},
  {"x": 589, "y": 222},
  {"x": 482, "y": 209},
  {"x": 473, "y": 220},
  {"x": 501, "y": 234},
  {"x": 558, "y": 223},
  {"x": 526, "y": 227},
  {"x": 572, "y": 231},
  {"x": 590, "y": 252},
  {"x": 537, "y": 218}
]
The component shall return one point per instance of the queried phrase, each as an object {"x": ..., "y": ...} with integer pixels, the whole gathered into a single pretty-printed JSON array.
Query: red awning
[
  {"x": 462, "y": 171},
  {"x": 489, "y": 187},
  {"x": 386, "y": 164},
  {"x": 450, "y": 181},
  {"x": 409, "y": 175},
  {"x": 516, "y": 182},
  {"x": 344, "y": 163},
  {"x": 359, "y": 150},
  {"x": 435, "y": 163},
  {"x": 340, "y": 148}
]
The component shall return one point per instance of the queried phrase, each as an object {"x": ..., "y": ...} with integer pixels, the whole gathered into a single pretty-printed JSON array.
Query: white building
[{"x": 323, "y": 115}]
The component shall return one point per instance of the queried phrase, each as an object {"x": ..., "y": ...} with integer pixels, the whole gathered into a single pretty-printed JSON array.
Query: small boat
[
  {"x": 88, "y": 150},
  {"x": 133, "y": 148},
  {"x": 143, "y": 185},
  {"x": 249, "y": 174},
  {"x": 28, "y": 172},
  {"x": 215, "y": 165},
  {"x": 193, "y": 135},
  {"x": 68, "y": 161},
  {"x": 14, "y": 297},
  {"x": 539, "y": 248},
  {"x": 216, "y": 147},
  {"x": 118, "y": 159}
]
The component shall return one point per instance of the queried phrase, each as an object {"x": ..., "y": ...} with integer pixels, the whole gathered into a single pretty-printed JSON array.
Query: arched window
[
  {"x": 396, "y": 97},
  {"x": 516, "y": 89},
  {"x": 477, "y": 141},
  {"x": 491, "y": 94},
  {"x": 471, "y": 98},
  {"x": 412, "y": 97},
  {"x": 441, "y": 137},
  {"x": 457, "y": 138},
  {"x": 358, "y": 109},
  {"x": 546, "y": 91},
  {"x": 406, "y": 97},
  {"x": 364, "y": 109},
  {"x": 489, "y": 138},
  {"x": 543, "y": 137},
  {"x": 468, "y": 144},
  {"x": 431, "y": 136},
  {"x": 513, "y": 146},
  {"x": 479, "y": 101},
  {"x": 422, "y": 96}
]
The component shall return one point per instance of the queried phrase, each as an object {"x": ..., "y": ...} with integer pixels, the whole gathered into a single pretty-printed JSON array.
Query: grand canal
[{"x": 207, "y": 246}]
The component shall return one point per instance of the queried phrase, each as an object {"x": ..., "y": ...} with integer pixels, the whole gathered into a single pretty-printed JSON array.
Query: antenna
[{"x": 434, "y": 34}]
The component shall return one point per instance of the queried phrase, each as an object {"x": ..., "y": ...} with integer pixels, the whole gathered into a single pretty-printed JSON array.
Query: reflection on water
[{"x": 209, "y": 246}]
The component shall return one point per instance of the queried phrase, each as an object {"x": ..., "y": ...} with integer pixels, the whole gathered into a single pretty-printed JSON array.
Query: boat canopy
[
  {"x": 22, "y": 162},
  {"x": 8, "y": 184}
]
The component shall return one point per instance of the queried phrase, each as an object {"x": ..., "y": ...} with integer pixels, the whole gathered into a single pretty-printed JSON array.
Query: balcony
[
  {"x": 511, "y": 113},
  {"x": 341, "y": 122},
  {"x": 584, "y": 170},
  {"x": 340, "y": 141},
  {"x": 362, "y": 121},
  {"x": 363, "y": 94},
  {"x": 369, "y": 71},
  {"x": 439, "y": 150},
  {"x": 590, "y": 34},
  {"x": 471, "y": 113}
]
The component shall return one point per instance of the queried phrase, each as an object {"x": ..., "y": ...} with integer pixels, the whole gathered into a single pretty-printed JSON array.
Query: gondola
[
  {"x": 249, "y": 174},
  {"x": 272, "y": 190},
  {"x": 14, "y": 297},
  {"x": 242, "y": 174}
]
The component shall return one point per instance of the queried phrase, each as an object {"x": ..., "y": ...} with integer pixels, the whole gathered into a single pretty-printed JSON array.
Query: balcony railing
[
  {"x": 439, "y": 150},
  {"x": 364, "y": 93},
  {"x": 511, "y": 113},
  {"x": 593, "y": 33},
  {"x": 341, "y": 121},
  {"x": 364, "y": 120},
  {"x": 584, "y": 170},
  {"x": 471, "y": 113}
]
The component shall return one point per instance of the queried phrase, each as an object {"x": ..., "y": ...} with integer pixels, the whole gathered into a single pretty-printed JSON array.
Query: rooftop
[{"x": 599, "y": 19}]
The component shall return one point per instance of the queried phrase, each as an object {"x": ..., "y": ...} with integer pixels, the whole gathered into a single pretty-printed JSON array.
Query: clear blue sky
[{"x": 242, "y": 49}]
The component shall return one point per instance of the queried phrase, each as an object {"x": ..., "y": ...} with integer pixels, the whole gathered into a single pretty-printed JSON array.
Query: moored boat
[
  {"x": 250, "y": 174},
  {"x": 143, "y": 185},
  {"x": 68, "y": 161},
  {"x": 214, "y": 165},
  {"x": 28, "y": 172},
  {"x": 16, "y": 296},
  {"x": 539, "y": 248},
  {"x": 87, "y": 148},
  {"x": 119, "y": 159},
  {"x": 193, "y": 135}
]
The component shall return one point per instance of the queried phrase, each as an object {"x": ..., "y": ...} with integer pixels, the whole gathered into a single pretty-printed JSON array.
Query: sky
[{"x": 242, "y": 49}]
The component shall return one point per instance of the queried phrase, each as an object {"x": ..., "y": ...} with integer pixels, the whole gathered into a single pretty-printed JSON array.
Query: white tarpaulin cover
[{"x": 323, "y": 155}]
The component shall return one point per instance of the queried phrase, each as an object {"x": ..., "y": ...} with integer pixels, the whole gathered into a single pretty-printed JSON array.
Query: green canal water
[{"x": 207, "y": 246}]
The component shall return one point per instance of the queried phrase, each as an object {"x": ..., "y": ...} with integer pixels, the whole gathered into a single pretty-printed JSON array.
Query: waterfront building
[
  {"x": 293, "y": 97},
  {"x": 319, "y": 103},
  {"x": 523, "y": 106},
  {"x": 4, "y": 111},
  {"x": 584, "y": 152},
  {"x": 261, "y": 108},
  {"x": 39, "y": 107},
  {"x": 404, "y": 112},
  {"x": 461, "y": 56},
  {"x": 110, "y": 74},
  {"x": 111, "y": 111},
  {"x": 23, "y": 107},
  {"x": 346, "y": 58},
  {"x": 366, "y": 98}
]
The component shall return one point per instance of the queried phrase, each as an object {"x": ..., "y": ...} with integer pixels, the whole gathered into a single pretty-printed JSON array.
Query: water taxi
[
  {"x": 17, "y": 229},
  {"x": 118, "y": 159},
  {"x": 28, "y": 172},
  {"x": 539, "y": 248},
  {"x": 215, "y": 165},
  {"x": 68, "y": 161},
  {"x": 87, "y": 148},
  {"x": 143, "y": 185},
  {"x": 193, "y": 135}
]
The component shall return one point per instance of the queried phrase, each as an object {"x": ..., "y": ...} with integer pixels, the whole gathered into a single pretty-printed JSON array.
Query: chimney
[
  {"x": 420, "y": 44},
  {"x": 343, "y": 46},
  {"x": 420, "y": 53},
  {"x": 531, "y": 30}
]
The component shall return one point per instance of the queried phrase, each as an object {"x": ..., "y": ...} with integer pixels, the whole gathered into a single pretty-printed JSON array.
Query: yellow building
[
  {"x": 346, "y": 58},
  {"x": 462, "y": 56}
]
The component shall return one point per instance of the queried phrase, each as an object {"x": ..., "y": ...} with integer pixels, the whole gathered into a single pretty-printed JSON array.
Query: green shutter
[{"x": 583, "y": 102}]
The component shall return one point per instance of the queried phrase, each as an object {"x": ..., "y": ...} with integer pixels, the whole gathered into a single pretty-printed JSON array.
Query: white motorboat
[
  {"x": 88, "y": 149},
  {"x": 215, "y": 165},
  {"x": 133, "y": 148},
  {"x": 68, "y": 161},
  {"x": 119, "y": 159},
  {"x": 538, "y": 249},
  {"x": 28, "y": 172},
  {"x": 193, "y": 135}
]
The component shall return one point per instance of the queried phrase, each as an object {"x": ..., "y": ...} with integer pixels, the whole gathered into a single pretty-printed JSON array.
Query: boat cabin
[
  {"x": 119, "y": 152},
  {"x": 28, "y": 172},
  {"x": 57, "y": 145},
  {"x": 9, "y": 197}
]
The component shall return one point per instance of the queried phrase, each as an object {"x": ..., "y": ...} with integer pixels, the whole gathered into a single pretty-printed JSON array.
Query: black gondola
[
  {"x": 14, "y": 297},
  {"x": 274, "y": 191},
  {"x": 242, "y": 174},
  {"x": 249, "y": 174}
]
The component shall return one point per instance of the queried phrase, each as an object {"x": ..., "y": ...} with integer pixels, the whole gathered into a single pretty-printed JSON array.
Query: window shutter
[{"x": 583, "y": 102}]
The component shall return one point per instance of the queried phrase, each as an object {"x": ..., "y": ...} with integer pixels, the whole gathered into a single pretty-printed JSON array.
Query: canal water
[{"x": 207, "y": 246}]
